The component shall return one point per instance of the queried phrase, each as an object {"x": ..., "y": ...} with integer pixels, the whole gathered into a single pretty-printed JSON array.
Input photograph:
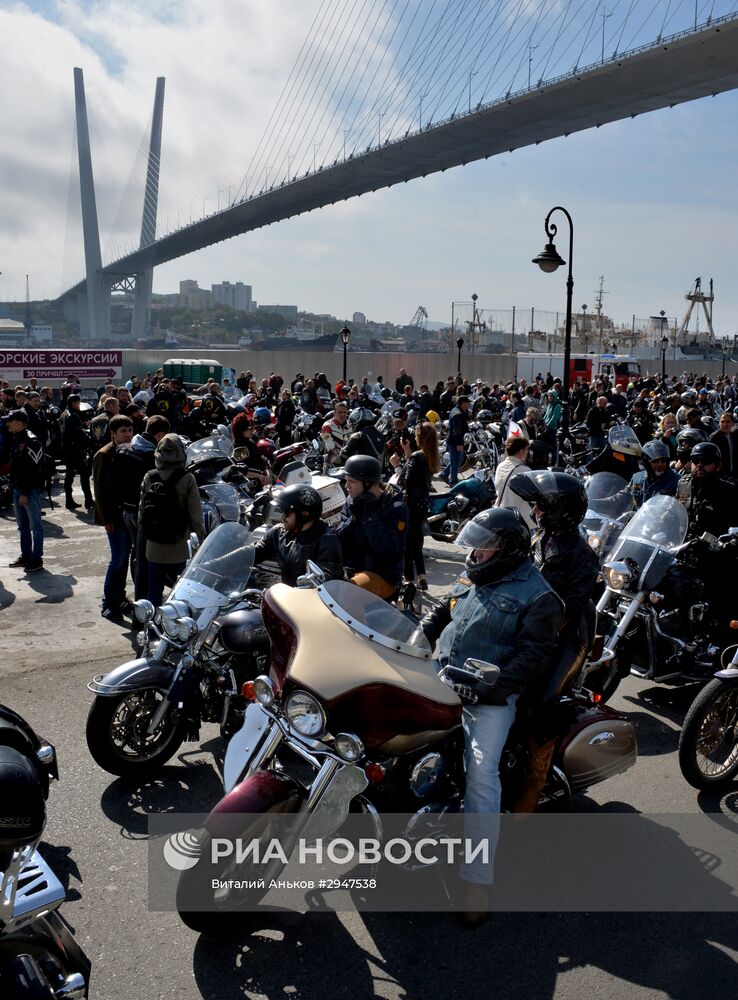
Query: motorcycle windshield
[
  {"x": 608, "y": 495},
  {"x": 662, "y": 521},
  {"x": 374, "y": 618},
  {"x": 622, "y": 438},
  {"x": 222, "y": 565},
  {"x": 224, "y": 497},
  {"x": 216, "y": 446}
]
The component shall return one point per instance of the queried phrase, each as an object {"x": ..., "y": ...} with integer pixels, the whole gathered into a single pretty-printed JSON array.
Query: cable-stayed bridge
[{"x": 422, "y": 108}]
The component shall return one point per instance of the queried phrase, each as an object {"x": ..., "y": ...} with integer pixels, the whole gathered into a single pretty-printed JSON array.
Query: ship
[{"x": 303, "y": 337}]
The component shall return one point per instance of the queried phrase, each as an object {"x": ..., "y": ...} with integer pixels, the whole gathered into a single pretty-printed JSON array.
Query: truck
[{"x": 620, "y": 369}]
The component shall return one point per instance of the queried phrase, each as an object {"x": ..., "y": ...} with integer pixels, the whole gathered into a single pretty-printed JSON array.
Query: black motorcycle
[
  {"x": 39, "y": 957},
  {"x": 655, "y": 617},
  {"x": 197, "y": 650}
]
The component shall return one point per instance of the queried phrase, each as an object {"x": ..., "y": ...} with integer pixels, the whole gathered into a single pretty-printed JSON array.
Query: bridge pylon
[{"x": 141, "y": 322}]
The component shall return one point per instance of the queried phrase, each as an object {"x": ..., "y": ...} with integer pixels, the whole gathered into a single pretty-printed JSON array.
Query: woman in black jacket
[
  {"x": 285, "y": 418},
  {"x": 415, "y": 480}
]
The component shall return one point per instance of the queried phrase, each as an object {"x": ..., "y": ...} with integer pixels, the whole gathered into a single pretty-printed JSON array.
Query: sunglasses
[{"x": 703, "y": 462}]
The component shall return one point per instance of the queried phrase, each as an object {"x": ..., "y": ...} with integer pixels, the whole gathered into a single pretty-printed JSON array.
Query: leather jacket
[
  {"x": 291, "y": 551},
  {"x": 373, "y": 531},
  {"x": 570, "y": 568}
]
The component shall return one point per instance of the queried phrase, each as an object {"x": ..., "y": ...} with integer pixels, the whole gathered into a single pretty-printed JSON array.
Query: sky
[{"x": 653, "y": 199}]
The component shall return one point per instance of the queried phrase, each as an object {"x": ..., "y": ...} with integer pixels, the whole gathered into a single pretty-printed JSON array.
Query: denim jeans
[
  {"x": 139, "y": 564},
  {"x": 486, "y": 729},
  {"x": 30, "y": 525},
  {"x": 455, "y": 459},
  {"x": 114, "y": 588},
  {"x": 161, "y": 575}
]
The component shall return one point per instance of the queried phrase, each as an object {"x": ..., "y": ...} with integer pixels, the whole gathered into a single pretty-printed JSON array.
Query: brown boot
[{"x": 536, "y": 774}]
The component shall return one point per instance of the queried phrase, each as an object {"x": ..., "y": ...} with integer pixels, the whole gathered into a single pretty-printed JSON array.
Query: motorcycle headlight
[
  {"x": 595, "y": 543},
  {"x": 170, "y": 627},
  {"x": 348, "y": 746},
  {"x": 264, "y": 690},
  {"x": 144, "y": 611},
  {"x": 305, "y": 713},
  {"x": 186, "y": 629},
  {"x": 618, "y": 575}
]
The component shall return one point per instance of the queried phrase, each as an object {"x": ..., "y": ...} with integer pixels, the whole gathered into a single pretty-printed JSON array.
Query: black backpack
[{"x": 162, "y": 519}]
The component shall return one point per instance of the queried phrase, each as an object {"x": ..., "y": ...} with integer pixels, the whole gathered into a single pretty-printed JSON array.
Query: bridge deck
[{"x": 678, "y": 70}]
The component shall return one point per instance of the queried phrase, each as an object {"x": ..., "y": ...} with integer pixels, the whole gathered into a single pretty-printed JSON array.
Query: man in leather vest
[
  {"x": 502, "y": 611},
  {"x": 302, "y": 536}
]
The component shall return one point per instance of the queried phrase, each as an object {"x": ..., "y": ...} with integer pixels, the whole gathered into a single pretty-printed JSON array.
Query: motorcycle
[
  {"x": 39, "y": 956},
  {"x": 221, "y": 484},
  {"x": 367, "y": 726},
  {"x": 196, "y": 651},
  {"x": 654, "y": 617},
  {"x": 708, "y": 744},
  {"x": 448, "y": 512}
]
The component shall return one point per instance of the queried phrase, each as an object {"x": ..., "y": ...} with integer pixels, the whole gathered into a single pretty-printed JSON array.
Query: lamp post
[
  {"x": 345, "y": 337},
  {"x": 549, "y": 261},
  {"x": 664, "y": 345},
  {"x": 459, "y": 344},
  {"x": 584, "y": 326}
]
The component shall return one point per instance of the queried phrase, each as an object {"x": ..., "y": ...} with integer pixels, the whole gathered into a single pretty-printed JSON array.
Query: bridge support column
[
  {"x": 141, "y": 321},
  {"x": 98, "y": 289}
]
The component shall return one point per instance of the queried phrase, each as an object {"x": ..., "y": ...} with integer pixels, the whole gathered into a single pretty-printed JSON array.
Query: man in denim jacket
[{"x": 505, "y": 613}]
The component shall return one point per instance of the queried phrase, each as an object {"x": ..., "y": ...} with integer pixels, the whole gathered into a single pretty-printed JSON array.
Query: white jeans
[{"x": 486, "y": 729}]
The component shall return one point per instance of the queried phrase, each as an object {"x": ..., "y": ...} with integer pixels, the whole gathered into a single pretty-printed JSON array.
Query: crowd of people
[{"x": 523, "y": 600}]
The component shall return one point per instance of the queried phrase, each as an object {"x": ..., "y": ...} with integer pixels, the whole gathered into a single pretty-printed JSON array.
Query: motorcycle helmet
[
  {"x": 560, "y": 498},
  {"x": 688, "y": 398},
  {"x": 706, "y": 453},
  {"x": 266, "y": 448},
  {"x": 686, "y": 441},
  {"x": 249, "y": 399},
  {"x": 365, "y": 469},
  {"x": 432, "y": 417},
  {"x": 305, "y": 501},
  {"x": 485, "y": 417},
  {"x": 653, "y": 450},
  {"x": 262, "y": 415},
  {"x": 361, "y": 417},
  {"x": 498, "y": 540},
  {"x": 298, "y": 388},
  {"x": 386, "y": 393}
]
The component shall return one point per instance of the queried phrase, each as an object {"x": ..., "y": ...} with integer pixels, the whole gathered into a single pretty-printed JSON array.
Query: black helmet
[
  {"x": 365, "y": 469},
  {"x": 560, "y": 498},
  {"x": 485, "y": 417},
  {"x": 74, "y": 397},
  {"x": 501, "y": 529},
  {"x": 305, "y": 501},
  {"x": 654, "y": 450},
  {"x": 360, "y": 417},
  {"x": 706, "y": 452},
  {"x": 687, "y": 439}
]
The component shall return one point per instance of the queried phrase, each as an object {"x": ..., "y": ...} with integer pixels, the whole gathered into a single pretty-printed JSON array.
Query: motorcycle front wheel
[
  {"x": 117, "y": 734},
  {"x": 708, "y": 745},
  {"x": 227, "y": 908}
]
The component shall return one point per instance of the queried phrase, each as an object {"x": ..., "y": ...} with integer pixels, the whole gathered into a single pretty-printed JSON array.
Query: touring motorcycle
[
  {"x": 39, "y": 956},
  {"x": 197, "y": 649},
  {"x": 354, "y": 718}
]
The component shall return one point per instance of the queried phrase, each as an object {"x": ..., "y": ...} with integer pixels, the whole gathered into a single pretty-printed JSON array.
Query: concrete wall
[{"x": 429, "y": 368}]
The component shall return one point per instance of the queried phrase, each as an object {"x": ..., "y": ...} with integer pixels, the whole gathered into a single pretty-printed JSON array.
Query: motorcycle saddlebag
[{"x": 22, "y": 799}]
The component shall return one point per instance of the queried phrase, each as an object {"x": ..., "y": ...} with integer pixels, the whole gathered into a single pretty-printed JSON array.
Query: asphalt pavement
[{"x": 54, "y": 640}]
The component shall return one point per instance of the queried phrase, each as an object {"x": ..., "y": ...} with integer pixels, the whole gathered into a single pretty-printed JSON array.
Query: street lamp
[
  {"x": 549, "y": 260},
  {"x": 664, "y": 345},
  {"x": 459, "y": 344},
  {"x": 584, "y": 325},
  {"x": 345, "y": 337}
]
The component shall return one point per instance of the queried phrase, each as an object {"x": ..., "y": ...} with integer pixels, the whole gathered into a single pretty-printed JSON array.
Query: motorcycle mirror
[
  {"x": 482, "y": 668},
  {"x": 193, "y": 544}
]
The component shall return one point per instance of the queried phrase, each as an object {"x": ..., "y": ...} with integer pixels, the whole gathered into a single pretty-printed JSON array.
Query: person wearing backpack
[
  {"x": 135, "y": 461},
  {"x": 168, "y": 512}
]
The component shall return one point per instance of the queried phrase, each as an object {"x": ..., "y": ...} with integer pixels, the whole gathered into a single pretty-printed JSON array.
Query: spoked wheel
[
  {"x": 708, "y": 745},
  {"x": 117, "y": 734}
]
